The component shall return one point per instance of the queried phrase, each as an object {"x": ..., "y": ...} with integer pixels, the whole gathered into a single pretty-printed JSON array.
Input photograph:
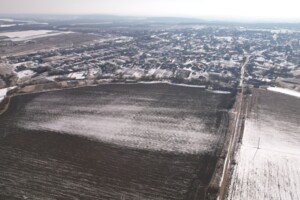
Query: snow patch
[
  {"x": 77, "y": 75},
  {"x": 25, "y": 74},
  {"x": 3, "y": 93},
  {"x": 7, "y": 25},
  {"x": 186, "y": 85},
  {"x": 284, "y": 91},
  {"x": 219, "y": 91}
]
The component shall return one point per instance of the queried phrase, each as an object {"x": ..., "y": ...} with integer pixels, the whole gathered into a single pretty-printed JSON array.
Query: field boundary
[
  {"x": 236, "y": 138},
  {"x": 218, "y": 184}
]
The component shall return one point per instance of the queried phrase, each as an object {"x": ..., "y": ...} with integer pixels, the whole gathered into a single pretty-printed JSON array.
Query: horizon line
[{"x": 230, "y": 19}]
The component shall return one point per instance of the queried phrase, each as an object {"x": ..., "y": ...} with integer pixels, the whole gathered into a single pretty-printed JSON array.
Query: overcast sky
[{"x": 281, "y": 10}]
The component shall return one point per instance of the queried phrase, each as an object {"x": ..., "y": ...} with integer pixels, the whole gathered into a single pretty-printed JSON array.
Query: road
[
  {"x": 243, "y": 71},
  {"x": 236, "y": 132}
]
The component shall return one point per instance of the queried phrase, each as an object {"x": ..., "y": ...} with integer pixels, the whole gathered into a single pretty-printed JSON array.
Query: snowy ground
[
  {"x": 32, "y": 34},
  {"x": 269, "y": 158},
  {"x": 25, "y": 74},
  {"x": 144, "y": 127},
  {"x": 285, "y": 91},
  {"x": 3, "y": 93},
  {"x": 77, "y": 75},
  {"x": 6, "y": 25},
  {"x": 114, "y": 141}
]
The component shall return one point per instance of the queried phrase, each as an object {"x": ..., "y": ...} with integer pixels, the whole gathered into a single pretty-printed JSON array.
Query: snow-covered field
[
  {"x": 7, "y": 20},
  {"x": 114, "y": 141},
  {"x": 31, "y": 34},
  {"x": 7, "y": 25},
  {"x": 269, "y": 158},
  {"x": 285, "y": 91},
  {"x": 131, "y": 121}
]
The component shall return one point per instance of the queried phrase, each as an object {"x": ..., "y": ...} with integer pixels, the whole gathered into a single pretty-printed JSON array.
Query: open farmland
[
  {"x": 268, "y": 159},
  {"x": 43, "y": 42},
  {"x": 115, "y": 141},
  {"x": 27, "y": 35}
]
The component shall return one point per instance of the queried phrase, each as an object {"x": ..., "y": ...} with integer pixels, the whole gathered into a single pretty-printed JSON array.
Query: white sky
[{"x": 281, "y": 10}]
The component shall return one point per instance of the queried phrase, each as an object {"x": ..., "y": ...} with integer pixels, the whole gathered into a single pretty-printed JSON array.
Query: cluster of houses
[{"x": 204, "y": 55}]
